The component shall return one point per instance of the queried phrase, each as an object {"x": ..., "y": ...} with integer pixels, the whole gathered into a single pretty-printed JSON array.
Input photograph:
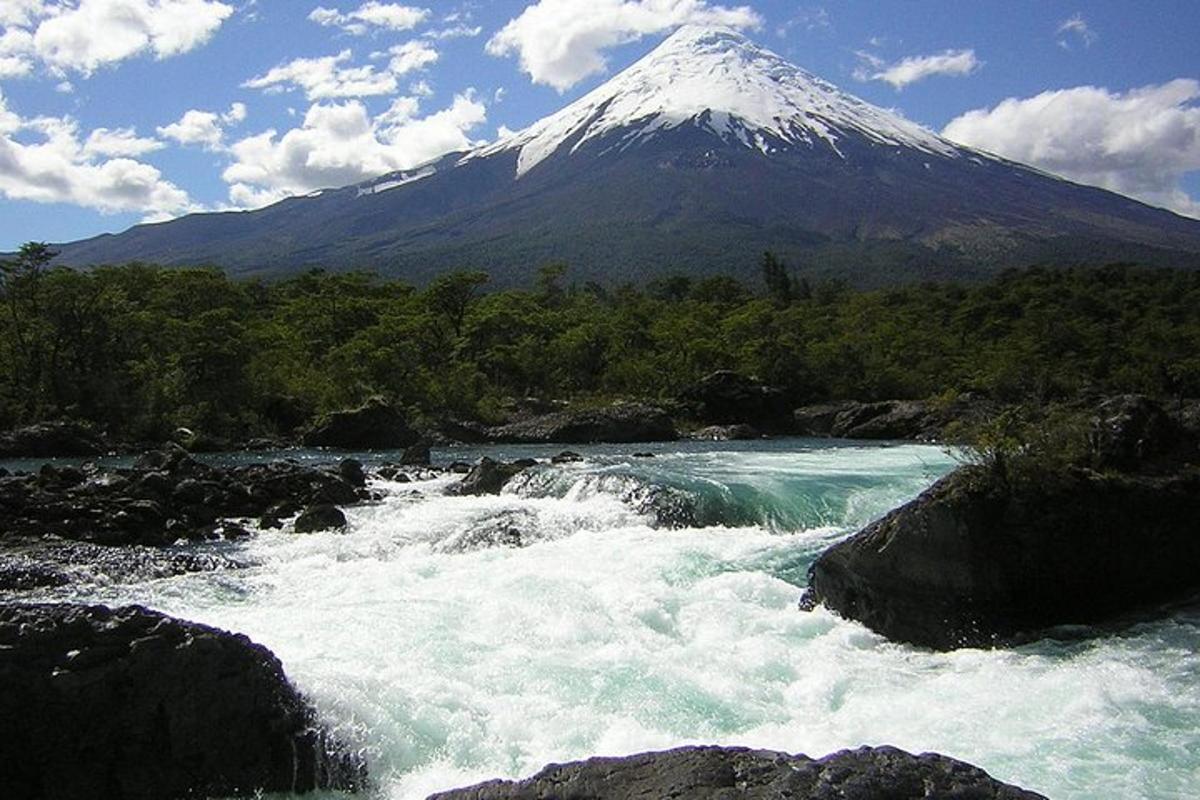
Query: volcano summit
[{"x": 695, "y": 159}]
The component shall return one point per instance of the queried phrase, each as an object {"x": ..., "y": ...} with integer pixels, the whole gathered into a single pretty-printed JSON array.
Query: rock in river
[
  {"x": 130, "y": 704},
  {"x": 725, "y": 773}
]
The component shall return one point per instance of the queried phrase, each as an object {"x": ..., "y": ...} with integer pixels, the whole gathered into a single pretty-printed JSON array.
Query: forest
[{"x": 140, "y": 351}]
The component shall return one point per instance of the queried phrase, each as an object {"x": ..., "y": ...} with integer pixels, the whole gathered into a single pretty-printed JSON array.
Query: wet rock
[
  {"x": 47, "y": 562},
  {"x": 352, "y": 472},
  {"x": 320, "y": 518},
  {"x": 375, "y": 425},
  {"x": 726, "y": 433},
  {"x": 416, "y": 455},
  {"x": 51, "y": 439},
  {"x": 978, "y": 560},
  {"x": 566, "y": 457},
  {"x": 726, "y": 397},
  {"x": 133, "y": 705},
  {"x": 488, "y": 477},
  {"x": 618, "y": 423},
  {"x": 723, "y": 773}
]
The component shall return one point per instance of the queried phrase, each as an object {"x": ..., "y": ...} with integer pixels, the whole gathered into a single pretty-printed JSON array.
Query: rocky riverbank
[
  {"x": 130, "y": 704},
  {"x": 718, "y": 773},
  {"x": 994, "y": 553}
]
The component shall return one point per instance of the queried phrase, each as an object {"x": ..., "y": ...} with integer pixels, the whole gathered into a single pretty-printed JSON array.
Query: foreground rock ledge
[
  {"x": 129, "y": 704},
  {"x": 721, "y": 773},
  {"x": 976, "y": 562}
]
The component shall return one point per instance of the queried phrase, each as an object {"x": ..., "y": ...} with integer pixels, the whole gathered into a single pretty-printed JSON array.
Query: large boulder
[
  {"x": 887, "y": 419},
  {"x": 722, "y": 773},
  {"x": 129, "y": 704},
  {"x": 618, "y": 423},
  {"x": 488, "y": 477},
  {"x": 376, "y": 425},
  {"x": 726, "y": 397},
  {"x": 1131, "y": 430},
  {"x": 50, "y": 440},
  {"x": 979, "y": 559}
]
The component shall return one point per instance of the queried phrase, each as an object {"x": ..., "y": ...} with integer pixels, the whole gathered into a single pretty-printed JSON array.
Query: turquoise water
[{"x": 450, "y": 657}]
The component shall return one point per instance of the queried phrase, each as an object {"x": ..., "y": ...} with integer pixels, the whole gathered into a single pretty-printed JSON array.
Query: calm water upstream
[{"x": 451, "y": 656}]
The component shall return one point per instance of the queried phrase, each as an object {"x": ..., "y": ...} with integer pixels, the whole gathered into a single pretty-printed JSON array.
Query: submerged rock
[
  {"x": 723, "y": 773},
  {"x": 130, "y": 704},
  {"x": 375, "y": 425},
  {"x": 50, "y": 562},
  {"x": 976, "y": 561},
  {"x": 618, "y": 423}
]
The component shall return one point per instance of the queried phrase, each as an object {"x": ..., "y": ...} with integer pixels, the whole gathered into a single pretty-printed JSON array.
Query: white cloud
[
  {"x": 16, "y": 51},
  {"x": 1140, "y": 143},
  {"x": 561, "y": 42},
  {"x": 420, "y": 89},
  {"x": 119, "y": 142},
  {"x": 325, "y": 78},
  {"x": 96, "y": 33},
  {"x": 1077, "y": 27},
  {"x": 14, "y": 67},
  {"x": 411, "y": 56},
  {"x": 339, "y": 144},
  {"x": 916, "y": 68},
  {"x": 59, "y": 168},
  {"x": 22, "y": 12},
  {"x": 204, "y": 128},
  {"x": 459, "y": 31},
  {"x": 388, "y": 16}
]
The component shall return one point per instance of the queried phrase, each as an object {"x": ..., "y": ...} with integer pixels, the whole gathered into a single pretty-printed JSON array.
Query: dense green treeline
[{"x": 141, "y": 351}]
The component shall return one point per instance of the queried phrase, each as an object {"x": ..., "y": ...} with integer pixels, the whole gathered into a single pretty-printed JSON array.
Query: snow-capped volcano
[
  {"x": 695, "y": 159},
  {"x": 718, "y": 80}
]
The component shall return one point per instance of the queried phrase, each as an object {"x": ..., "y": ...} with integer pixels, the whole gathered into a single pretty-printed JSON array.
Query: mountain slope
[{"x": 704, "y": 153}]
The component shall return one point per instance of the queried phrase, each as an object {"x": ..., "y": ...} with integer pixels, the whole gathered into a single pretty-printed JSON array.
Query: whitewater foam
[{"x": 603, "y": 635}]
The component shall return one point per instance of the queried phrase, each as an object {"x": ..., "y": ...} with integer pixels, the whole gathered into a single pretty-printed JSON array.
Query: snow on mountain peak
[{"x": 720, "y": 80}]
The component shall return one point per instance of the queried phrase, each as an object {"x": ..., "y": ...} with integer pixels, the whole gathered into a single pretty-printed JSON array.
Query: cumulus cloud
[
  {"x": 204, "y": 128},
  {"x": 325, "y": 78},
  {"x": 22, "y": 12},
  {"x": 1139, "y": 143},
  {"x": 95, "y": 172},
  {"x": 386, "y": 16},
  {"x": 411, "y": 56},
  {"x": 916, "y": 68},
  {"x": 561, "y": 42},
  {"x": 119, "y": 142},
  {"x": 16, "y": 53},
  {"x": 96, "y": 33},
  {"x": 1076, "y": 28},
  {"x": 340, "y": 144}
]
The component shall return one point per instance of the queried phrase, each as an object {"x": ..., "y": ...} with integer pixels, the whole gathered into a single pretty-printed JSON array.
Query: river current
[{"x": 456, "y": 639}]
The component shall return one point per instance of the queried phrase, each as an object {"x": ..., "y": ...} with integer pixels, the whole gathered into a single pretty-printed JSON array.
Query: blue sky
[{"x": 116, "y": 111}]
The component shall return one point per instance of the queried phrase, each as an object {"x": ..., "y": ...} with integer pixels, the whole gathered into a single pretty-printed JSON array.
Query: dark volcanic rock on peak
[
  {"x": 723, "y": 773},
  {"x": 129, "y": 704}
]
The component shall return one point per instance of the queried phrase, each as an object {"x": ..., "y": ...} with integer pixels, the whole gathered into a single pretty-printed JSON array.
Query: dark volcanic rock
[
  {"x": 488, "y": 477},
  {"x": 726, "y": 433},
  {"x": 320, "y": 518},
  {"x": 724, "y": 773},
  {"x": 50, "y": 439},
  {"x": 726, "y": 397},
  {"x": 375, "y": 425},
  {"x": 416, "y": 455},
  {"x": 888, "y": 419},
  {"x": 39, "y": 563},
  {"x": 978, "y": 561},
  {"x": 618, "y": 423},
  {"x": 166, "y": 496},
  {"x": 1131, "y": 430},
  {"x": 130, "y": 704}
]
